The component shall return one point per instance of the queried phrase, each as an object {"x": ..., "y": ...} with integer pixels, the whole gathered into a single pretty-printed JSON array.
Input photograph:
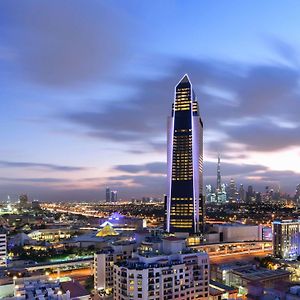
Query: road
[
  {"x": 78, "y": 274},
  {"x": 238, "y": 257}
]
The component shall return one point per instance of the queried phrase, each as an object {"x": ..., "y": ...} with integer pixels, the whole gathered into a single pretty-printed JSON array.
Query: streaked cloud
[
  {"x": 41, "y": 166},
  {"x": 35, "y": 180},
  {"x": 153, "y": 168}
]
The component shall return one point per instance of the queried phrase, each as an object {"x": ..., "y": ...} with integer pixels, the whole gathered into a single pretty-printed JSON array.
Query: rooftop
[
  {"x": 137, "y": 265},
  {"x": 172, "y": 238},
  {"x": 235, "y": 225},
  {"x": 258, "y": 274},
  {"x": 290, "y": 221},
  {"x": 75, "y": 289},
  {"x": 219, "y": 285}
]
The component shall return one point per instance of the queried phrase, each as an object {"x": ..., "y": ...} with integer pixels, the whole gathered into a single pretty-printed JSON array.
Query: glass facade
[{"x": 184, "y": 200}]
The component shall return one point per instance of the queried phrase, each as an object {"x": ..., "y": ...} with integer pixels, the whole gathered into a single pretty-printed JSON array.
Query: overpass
[
  {"x": 235, "y": 248},
  {"x": 58, "y": 265}
]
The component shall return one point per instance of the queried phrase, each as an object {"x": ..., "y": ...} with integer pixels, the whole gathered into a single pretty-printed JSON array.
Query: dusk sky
[{"x": 86, "y": 88}]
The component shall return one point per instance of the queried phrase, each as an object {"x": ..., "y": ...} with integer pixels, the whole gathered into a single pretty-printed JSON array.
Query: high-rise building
[
  {"x": 113, "y": 196},
  {"x": 104, "y": 261},
  {"x": 232, "y": 191},
  {"x": 23, "y": 201},
  {"x": 35, "y": 204},
  {"x": 107, "y": 194},
  {"x": 286, "y": 238},
  {"x": 219, "y": 183},
  {"x": 258, "y": 197},
  {"x": 184, "y": 199},
  {"x": 175, "y": 272},
  {"x": 297, "y": 194},
  {"x": 241, "y": 193},
  {"x": 221, "y": 196},
  {"x": 250, "y": 195},
  {"x": 210, "y": 195}
]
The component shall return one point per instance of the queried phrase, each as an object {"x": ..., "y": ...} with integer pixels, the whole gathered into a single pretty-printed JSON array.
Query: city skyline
[{"x": 83, "y": 114}]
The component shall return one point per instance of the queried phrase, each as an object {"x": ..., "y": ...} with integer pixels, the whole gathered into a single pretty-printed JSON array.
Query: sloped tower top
[{"x": 185, "y": 79}]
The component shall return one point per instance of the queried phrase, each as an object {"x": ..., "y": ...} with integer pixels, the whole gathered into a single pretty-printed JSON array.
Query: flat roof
[
  {"x": 75, "y": 288},
  {"x": 223, "y": 286},
  {"x": 258, "y": 274}
]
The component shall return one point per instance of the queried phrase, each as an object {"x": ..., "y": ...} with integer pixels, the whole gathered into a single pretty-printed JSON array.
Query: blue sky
[{"x": 86, "y": 87}]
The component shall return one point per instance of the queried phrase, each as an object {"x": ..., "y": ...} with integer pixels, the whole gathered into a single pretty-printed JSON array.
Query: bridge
[
  {"x": 235, "y": 248},
  {"x": 63, "y": 264}
]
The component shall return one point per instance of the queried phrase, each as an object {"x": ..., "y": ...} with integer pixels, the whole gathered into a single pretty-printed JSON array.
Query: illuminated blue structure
[{"x": 184, "y": 199}]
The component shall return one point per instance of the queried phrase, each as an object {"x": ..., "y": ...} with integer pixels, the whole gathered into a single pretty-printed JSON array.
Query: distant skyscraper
[
  {"x": 221, "y": 197},
  {"x": 297, "y": 194},
  {"x": 258, "y": 197},
  {"x": 184, "y": 199},
  {"x": 113, "y": 196},
  {"x": 250, "y": 194},
  {"x": 219, "y": 183},
  {"x": 35, "y": 204},
  {"x": 23, "y": 200},
  {"x": 241, "y": 193},
  {"x": 232, "y": 191},
  {"x": 107, "y": 195},
  {"x": 210, "y": 195}
]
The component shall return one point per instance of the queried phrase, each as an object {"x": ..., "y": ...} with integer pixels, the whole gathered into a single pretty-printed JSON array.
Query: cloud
[
  {"x": 35, "y": 180},
  {"x": 236, "y": 100},
  {"x": 128, "y": 186},
  {"x": 263, "y": 135},
  {"x": 135, "y": 184},
  {"x": 244, "y": 108},
  {"x": 139, "y": 185},
  {"x": 284, "y": 50},
  {"x": 231, "y": 169},
  {"x": 257, "y": 175},
  {"x": 153, "y": 168},
  {"x": 65, "y": 44},
  {"x": 43, "y": 166}
]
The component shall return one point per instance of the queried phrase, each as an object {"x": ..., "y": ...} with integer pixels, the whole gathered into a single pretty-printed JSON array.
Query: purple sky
[{"x": 86, "y": 87}]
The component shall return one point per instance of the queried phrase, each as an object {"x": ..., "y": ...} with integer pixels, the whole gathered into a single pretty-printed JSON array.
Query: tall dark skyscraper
[
  {"x": 107, "y": 195},
  {"x": 241, "y": 193},
  {"x": 297, "y": 194},
  {"x": 113, "y": 196},
  {"x": 219, "y": 183},
  {"x": 250, "y": 193},
  {"x": 184, "y": 199},
  {"x": 23, "y": 199},
  {"x": 232, "y": 191}
]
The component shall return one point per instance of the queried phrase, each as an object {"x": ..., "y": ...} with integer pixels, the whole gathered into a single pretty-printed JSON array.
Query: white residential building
[
  {"x": 104, "y": 262},
  {"x": 175, "y": 273},
  {"x": 3, "y": 250}
]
